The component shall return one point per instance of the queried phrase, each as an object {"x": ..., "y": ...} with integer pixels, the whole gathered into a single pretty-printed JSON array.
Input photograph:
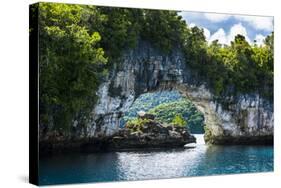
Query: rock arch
[{"x": 249, "y": 118}]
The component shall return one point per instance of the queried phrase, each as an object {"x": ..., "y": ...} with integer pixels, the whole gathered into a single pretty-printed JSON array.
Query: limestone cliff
[{"x": 241, "y": 119}]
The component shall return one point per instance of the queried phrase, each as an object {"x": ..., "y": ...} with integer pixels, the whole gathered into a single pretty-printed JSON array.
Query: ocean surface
[{"x": 154, "y": 164}]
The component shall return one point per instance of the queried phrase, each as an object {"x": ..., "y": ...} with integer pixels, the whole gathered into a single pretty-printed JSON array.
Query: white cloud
[
  {"x": 213, "y": 17},
  {"x": 258, "y": 22},
  {"x": 192, "y": 25},
  {"x": 224, "y": 38},
  {"x": 259, "y": 39},
  {"x": 219, "y": 35},
  {"x": 207, "y": 33},
  {"x": 237, "y": 29}
]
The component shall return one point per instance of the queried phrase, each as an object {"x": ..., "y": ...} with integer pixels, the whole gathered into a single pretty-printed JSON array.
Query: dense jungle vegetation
[
  {"x": 182, "y": 113},
  {"x": 169, "y": 107},
  {"x": 79, "y": 44},
  {"x": 150, "y": 100}
]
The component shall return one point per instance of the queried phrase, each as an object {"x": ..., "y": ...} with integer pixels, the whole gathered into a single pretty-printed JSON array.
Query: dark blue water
[{"x": 141, "y": 165}]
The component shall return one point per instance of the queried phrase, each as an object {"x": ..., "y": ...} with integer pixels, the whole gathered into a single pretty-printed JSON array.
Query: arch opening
[{"x": 168, "y": 107}]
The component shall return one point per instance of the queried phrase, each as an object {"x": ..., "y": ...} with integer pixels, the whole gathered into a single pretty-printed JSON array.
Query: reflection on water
[
  {"x": 199, "y": 139},
  {"x": 113, "y": 166}
]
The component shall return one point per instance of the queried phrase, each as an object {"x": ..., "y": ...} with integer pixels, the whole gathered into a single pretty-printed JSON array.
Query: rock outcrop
[
  {"x": 247, "y": 120},
  {"x": 151, "y": 134},
  {"x": 240, "y": 119}
]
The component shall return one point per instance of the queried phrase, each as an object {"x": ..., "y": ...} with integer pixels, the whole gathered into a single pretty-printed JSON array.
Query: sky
[{"x": 224, "y": 27}]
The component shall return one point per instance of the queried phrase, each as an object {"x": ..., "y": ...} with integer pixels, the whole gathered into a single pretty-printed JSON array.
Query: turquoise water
[{"x": 141, "y": 165}]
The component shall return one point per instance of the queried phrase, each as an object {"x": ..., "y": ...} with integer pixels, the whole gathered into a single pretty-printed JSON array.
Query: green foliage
[
  {"x": 163, "y": 28},
  {"x": 263, "y": 57},
  {"x": 179, "y": 121},
  {"x": 69, "y": 57},
  {"x": 239, "y": 68},
  {"x": 169, "y": 112},
  {"x": 195, "y": 48},
  {"x": 136, "y": 124},
  {"x": 120, "y": 30},
  {"x": 148, "y": 101}
]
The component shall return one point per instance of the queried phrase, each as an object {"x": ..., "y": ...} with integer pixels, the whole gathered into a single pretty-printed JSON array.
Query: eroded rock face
[
  {"x": 145, "y": 69},
  {"x": 248, "y": 121}
]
